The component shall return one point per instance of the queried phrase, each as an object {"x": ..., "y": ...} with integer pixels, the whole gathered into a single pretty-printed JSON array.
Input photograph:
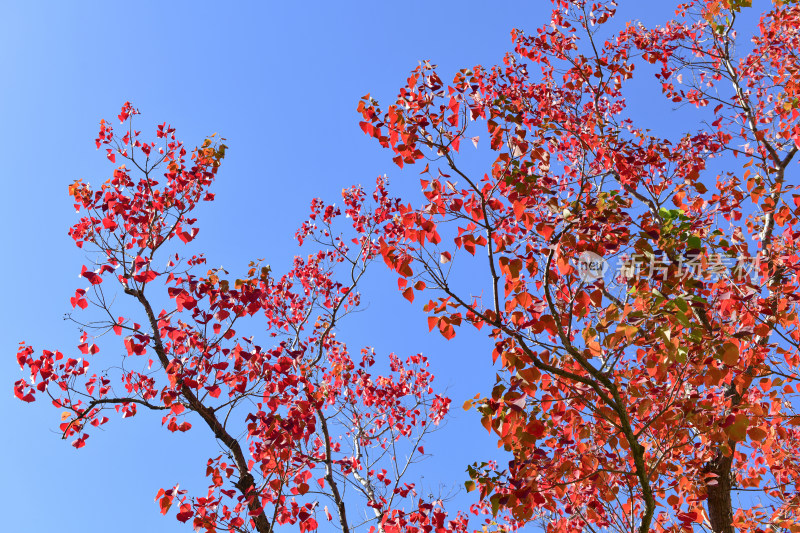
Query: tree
[
  {"x": 301, "y": 422},
  {"x": 658, "y": 397}
]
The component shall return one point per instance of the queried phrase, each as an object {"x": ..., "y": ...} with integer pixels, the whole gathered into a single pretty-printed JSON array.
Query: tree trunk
[{"x": 720, "y": 506}]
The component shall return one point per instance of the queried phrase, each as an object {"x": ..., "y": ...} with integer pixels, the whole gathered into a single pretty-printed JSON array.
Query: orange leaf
[
  {"x": 730, "y": 353},
  {"x": 756, "y": 433}
]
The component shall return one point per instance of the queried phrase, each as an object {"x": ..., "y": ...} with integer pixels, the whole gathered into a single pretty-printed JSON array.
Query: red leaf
[
  {"x": 308, "y": 524},
  {"x": 185, "y": 300},
  {"x": 408, "y": 294},
  {"x": 145, "y": 277},
  {"x": 447, "y": 330},
  {"x": 93, "y": 278},
  {"x": 78, "y": 299},
  {"x": 369, "y": 129},
  {"x": 81, "y": 441},
  {"x": 109, "y": 224},
  {"x": 188, "y": 236}
]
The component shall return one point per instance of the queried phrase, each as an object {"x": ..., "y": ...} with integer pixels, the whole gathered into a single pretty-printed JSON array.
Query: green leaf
[
  {"x": 495, "y": 501},
  {"x": 683, "y": 319},
  {"x": 682, "y": 354}
]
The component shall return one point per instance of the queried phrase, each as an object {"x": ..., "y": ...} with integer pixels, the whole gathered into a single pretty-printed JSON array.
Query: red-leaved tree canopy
[
  {"x": 299, "y": 418},
  {"x": 642, "y": 291}
]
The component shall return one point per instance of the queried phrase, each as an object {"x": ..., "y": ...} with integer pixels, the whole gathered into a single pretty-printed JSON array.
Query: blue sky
[{"x": 281, "y": 83}]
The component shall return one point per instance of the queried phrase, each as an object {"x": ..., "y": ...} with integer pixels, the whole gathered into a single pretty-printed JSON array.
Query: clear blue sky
[{"x": 281, "y": 84}]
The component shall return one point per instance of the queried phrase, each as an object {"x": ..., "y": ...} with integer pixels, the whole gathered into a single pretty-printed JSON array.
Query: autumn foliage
[
  {"x": 314, "y": 416},
  {"x": 657, "y": 397},
  {"x": 641, "y": 291}
]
